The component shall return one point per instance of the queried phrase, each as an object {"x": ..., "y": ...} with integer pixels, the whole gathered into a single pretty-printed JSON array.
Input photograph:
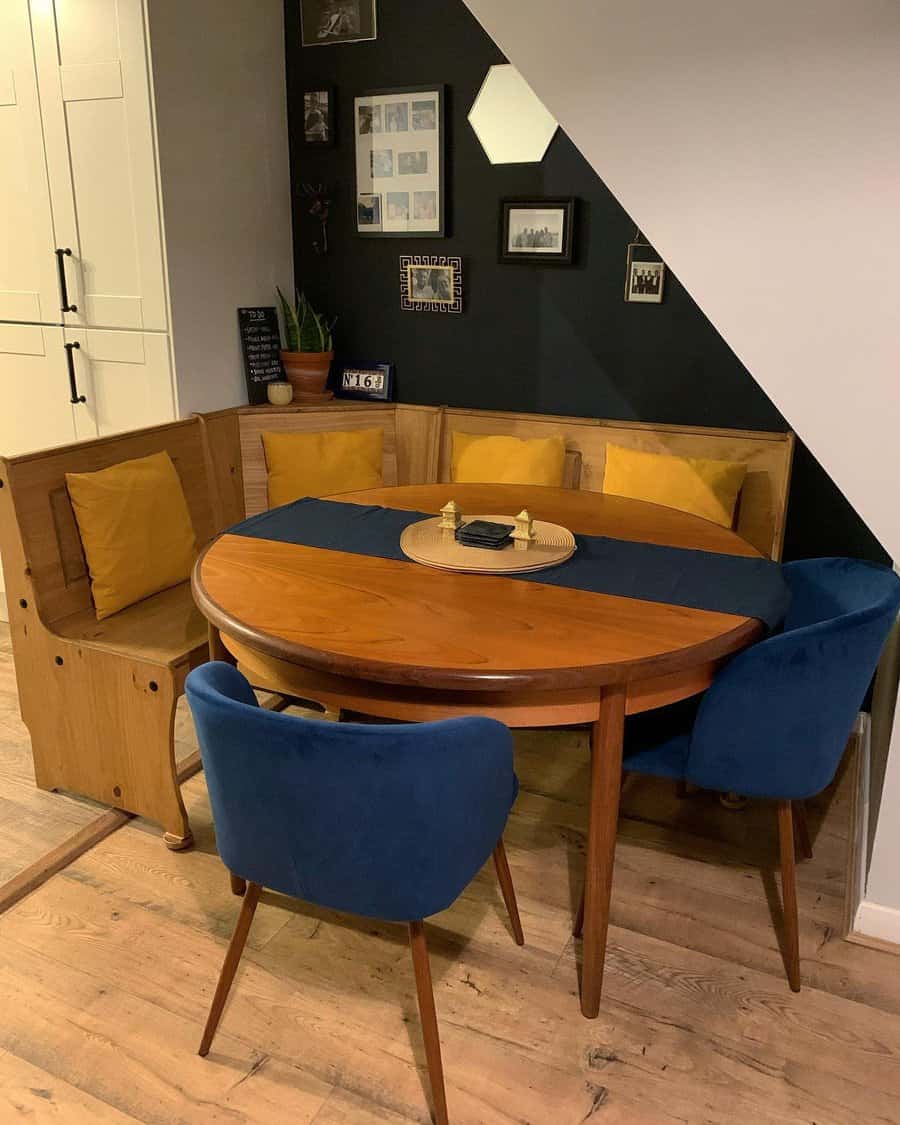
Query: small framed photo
[
  {"x": 336, "y": 21},
  {"x": 319, "y": 117},
  {"x": 644, "y": 279},
  {"x": 368, "y": 210},
  {"x": 537, "y": 231},
  {"x": 373, "y": 381},
  {"x": 399, "y": 140},
  {"x": 430, "y": 283}
]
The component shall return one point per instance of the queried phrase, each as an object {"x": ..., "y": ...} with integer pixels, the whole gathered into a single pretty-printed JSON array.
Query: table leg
[
  {"x": 606, "y": 769},
  {"x": 217, "y": 650}
]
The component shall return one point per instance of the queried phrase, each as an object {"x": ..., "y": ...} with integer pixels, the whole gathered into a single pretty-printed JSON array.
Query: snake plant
[{"x": 305, "y": 329}]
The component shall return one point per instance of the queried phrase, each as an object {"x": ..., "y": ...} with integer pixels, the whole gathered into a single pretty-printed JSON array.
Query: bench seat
[{"x": 166, "y": 628}]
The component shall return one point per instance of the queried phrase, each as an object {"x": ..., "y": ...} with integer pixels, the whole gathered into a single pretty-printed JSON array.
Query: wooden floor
[{"x": 107, "y": 971}]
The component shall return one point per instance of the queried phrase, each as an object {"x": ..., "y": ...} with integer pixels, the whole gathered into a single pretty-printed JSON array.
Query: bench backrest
[
  {"x": 45, "y": 522},
  {"x": 763, "y": 501},
  {"x": 221, "y": 463},
  {"x": 254, "y": 422}
]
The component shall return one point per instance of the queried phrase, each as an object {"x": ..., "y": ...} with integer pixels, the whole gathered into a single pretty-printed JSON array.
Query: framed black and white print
[
  {"x": 430, "y": 283},
  {"x": 319, "y": 117},
  {"x": 399, "y": 139},
  {"x": 537, "y": 231},
  {"x": 645, "y": 275},
  {"x": 336, "y": 21}
]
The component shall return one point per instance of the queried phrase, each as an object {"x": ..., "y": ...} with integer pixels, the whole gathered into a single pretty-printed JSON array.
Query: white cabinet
[
  {"x": 28, "y": 285},
  {"x": 98, "y": 127},
  {"x": 34, "y": 389},
  {"x": 125, "y": 378}
]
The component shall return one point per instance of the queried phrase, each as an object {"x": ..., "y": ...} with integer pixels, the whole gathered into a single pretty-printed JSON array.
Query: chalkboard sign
[{"x": 261, "y": 345}]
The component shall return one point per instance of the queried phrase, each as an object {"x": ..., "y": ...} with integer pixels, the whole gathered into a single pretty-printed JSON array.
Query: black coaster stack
[{"x": 485, "y": 534}]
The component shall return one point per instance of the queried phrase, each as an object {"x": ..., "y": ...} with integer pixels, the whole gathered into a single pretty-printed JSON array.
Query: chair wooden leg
[
  {"x": 428, "y": 1016},
  {"x": 232, "y": 959},
  {"x": 789, "y": 894},
  {"x": 578, "y": 925},
  {"x": 801, "y": 830},
  {"x": 509, "y": 892},
  {"x": 238, "y": 885}
]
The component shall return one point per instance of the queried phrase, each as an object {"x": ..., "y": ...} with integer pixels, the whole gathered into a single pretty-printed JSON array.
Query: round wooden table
[{"x": 402, "y": 641}]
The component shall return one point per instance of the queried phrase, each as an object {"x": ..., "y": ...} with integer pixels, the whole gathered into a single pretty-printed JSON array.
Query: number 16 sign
[{"x": 371, "y": 381}]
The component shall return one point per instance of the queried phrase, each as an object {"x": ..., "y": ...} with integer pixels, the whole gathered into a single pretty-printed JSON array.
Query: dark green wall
[{"x": 542, "y": 339}]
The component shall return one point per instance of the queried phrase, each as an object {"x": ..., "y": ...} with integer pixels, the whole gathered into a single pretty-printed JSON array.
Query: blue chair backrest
[
  {"x": 777, "y": 718},
  {"x": 385, "y": 821}
]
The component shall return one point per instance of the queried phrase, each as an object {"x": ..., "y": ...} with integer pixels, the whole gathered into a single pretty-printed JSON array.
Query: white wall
[
  {"x": 219, "y": 83},
  {"x": 758, "y": 148}
]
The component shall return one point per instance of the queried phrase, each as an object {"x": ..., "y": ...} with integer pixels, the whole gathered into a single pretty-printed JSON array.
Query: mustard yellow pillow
[
  {"x": 697, "y": 485},
  {"x": 135, "y": 528},
  {"x": 498, "y": 459},
  {"x": 322, "y": 463}
]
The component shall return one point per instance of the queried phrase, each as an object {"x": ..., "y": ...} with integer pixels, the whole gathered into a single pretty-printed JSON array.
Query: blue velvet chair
[
  {"x": 389, "y": 822},
  {"x": 777, "y": 718}
]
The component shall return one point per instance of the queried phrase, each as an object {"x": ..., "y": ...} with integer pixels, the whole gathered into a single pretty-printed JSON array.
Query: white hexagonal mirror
[{"x": 509, "y": 119}]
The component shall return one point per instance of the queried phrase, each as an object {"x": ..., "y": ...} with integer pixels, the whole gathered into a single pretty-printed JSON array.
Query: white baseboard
[
  {"x": 857, "y": 858},
  {"x": 876, "y": 921}
]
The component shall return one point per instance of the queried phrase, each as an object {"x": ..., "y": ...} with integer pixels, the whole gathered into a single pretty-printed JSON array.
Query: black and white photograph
[
  {"x": 536, "y": 230},
  {"x": 424, "y": 115},
  {"x": 399, "y": 143},
  {"x": 336, "y": 21},
  {"x": 645, "y": 282},
  {"x": 645, "y": 275},
  {"x": 412, "y": 163},
  {"x": 396, "y": 118},
  {"x": 382, "y": 163},
  {"x": 368, "y": 210},
  {"x": 397, "y": 206},
  {"x": 424, "y": 204},
  {"x": 369, "y": 119},
  {"x": 430, "y": 283},
  {"x": 318, "y": 117}
]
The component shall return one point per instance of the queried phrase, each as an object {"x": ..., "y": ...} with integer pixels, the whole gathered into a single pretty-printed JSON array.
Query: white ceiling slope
[{"x": 757, "y": 145}]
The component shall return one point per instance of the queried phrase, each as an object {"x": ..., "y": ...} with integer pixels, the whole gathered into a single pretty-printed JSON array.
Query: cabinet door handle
[
  {"x": 73, "y": 386},
  {"x": 63, "y": 290}
]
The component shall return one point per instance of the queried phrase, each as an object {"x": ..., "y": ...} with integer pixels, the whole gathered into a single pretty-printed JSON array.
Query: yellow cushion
[
  {"x": 322, "y": 463},
  {"x": 497, "y": 459},
  {"x": 692, "y": 484},
  {"x": 135, "y": 528}
]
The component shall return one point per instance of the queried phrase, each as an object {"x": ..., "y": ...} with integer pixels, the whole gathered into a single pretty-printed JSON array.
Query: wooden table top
[{"x": 401, "y": 623}]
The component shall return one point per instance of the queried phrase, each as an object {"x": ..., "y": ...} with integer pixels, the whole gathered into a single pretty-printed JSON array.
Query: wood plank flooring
[{"x": 106, "y": 974}]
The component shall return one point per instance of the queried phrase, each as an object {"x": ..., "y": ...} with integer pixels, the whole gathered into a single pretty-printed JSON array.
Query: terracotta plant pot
[{"x": 307, "y": 372}]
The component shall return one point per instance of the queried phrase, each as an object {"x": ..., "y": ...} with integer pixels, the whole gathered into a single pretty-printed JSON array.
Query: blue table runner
[{"x": 748, "y": 587}]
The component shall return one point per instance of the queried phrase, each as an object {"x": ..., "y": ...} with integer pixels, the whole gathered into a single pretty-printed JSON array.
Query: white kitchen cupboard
[
  {"x": 31, "y": 373},
  {"x": 144, "y": 196},
  {"x": 94, "y": 81},
  {"x": 28, "y": 283}
]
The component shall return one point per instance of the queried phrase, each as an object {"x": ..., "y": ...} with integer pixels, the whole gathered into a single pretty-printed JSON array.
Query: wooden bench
[{"x": 99, "y": 698}]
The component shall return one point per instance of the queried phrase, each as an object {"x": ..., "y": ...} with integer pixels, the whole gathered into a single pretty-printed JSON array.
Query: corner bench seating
[{"x": 99, "y": 698}]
